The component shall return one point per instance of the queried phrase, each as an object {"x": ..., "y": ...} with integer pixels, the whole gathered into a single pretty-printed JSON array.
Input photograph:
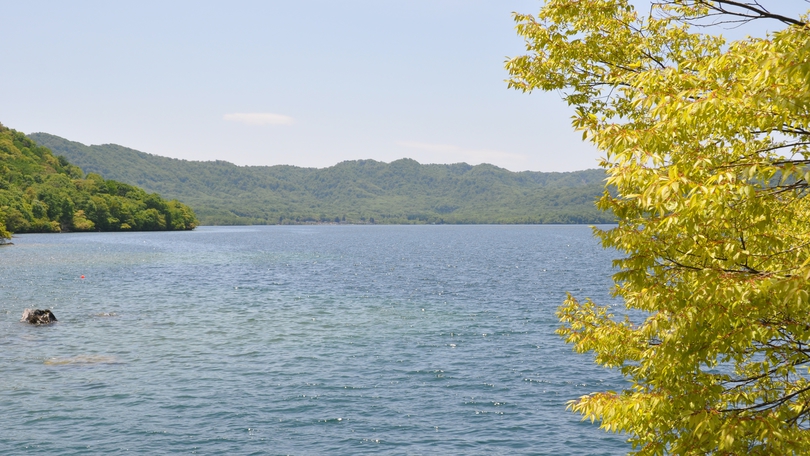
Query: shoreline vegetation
[
  {"x": 402, "y": 192},
  {"x": 42, "y": 193}
]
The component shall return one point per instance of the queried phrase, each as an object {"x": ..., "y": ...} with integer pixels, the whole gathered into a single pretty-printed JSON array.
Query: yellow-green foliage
[
  {"x": 43, "y": 193},
  {"x": 705, "y": 142}
]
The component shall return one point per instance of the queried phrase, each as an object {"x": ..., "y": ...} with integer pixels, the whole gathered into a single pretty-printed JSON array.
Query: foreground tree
[{"x": 706, "y": 147}]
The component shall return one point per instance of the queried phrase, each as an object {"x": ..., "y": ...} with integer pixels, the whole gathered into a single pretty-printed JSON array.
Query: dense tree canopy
[
  {"x": 706, "y": 142},
  {"x": 358, "y": 191},
  {"x": 43, "y": 193}
]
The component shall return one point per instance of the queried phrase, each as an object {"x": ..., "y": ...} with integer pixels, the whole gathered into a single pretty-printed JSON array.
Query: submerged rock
[
  {"x": 83, "y": 360},
  {"x": 38, "y": 316}
]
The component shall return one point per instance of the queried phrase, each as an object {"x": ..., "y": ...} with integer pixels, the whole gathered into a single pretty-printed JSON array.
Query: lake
[{"x": 300, "y": 340}]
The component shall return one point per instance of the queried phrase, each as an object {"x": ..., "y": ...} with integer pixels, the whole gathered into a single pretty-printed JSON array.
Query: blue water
[{"x": 300, "y": 340}]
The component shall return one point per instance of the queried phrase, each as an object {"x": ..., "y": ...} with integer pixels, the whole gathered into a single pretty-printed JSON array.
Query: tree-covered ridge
[
  {"x": 358, "y": 191},
  {"x": 43, "y": 193}
]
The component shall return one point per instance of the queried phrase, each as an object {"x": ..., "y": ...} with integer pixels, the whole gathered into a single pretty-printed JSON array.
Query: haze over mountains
[{"x": 361, "y": 191}]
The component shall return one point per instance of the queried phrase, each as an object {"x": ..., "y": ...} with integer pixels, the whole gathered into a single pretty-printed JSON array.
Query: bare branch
[{"x": 744, "y": 11}]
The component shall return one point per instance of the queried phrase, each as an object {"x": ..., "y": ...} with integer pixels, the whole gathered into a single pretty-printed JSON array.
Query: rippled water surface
[{"x": 299, "y": 340}]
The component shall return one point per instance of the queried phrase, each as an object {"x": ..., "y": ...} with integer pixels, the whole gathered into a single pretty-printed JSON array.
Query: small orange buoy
[{"x": 82, "y": 277}]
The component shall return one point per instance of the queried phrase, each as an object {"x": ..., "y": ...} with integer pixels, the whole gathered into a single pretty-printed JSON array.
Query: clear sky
[{"x": 307, "y": 83}]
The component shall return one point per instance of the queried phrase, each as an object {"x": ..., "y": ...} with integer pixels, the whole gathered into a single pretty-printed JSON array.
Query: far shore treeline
[
  {"x": 360, "y": 191},
  {"x": 42, "y": 193}
]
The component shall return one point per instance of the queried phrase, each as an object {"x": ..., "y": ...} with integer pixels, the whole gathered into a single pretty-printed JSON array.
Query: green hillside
[
  {"x": 43, "y": 193},
  {"x": 362, "y": 191}
]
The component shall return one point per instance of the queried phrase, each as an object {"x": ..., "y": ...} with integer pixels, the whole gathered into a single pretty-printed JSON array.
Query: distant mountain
[
  {"x": 42, "y": 193},
  {"x": 361, "y": 191}
]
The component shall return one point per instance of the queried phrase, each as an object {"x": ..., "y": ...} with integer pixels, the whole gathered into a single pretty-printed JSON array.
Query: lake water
[{"x": 300, "y": 340}]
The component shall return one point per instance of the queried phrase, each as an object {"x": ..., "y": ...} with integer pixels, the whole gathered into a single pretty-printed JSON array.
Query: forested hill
[
  {"x": 42, "y": 193},
  {"x": 362, "y": 191}
]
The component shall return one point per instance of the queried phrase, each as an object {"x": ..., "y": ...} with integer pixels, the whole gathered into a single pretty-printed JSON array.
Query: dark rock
[{"x": 38, "y": 316}]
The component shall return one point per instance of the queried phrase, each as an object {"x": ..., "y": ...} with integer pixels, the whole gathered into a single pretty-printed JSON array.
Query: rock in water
[{"x": 38, "y": 316}]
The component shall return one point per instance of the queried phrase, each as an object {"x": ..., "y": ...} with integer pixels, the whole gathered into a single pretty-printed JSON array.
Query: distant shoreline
[{"x": 317, "y": 224}]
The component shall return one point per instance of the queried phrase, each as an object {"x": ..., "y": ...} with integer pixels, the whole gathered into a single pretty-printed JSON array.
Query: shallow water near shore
[{"x": 300, "y": 340}]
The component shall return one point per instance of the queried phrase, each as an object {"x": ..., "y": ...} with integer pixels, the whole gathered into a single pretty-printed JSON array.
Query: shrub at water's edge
[
  {"x": 40, "y": 193},
  {"x": 4, "y": 234}
]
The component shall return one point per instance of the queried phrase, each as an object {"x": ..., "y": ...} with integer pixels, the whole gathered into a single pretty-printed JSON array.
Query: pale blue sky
[{"x": 323, "y": 81}]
